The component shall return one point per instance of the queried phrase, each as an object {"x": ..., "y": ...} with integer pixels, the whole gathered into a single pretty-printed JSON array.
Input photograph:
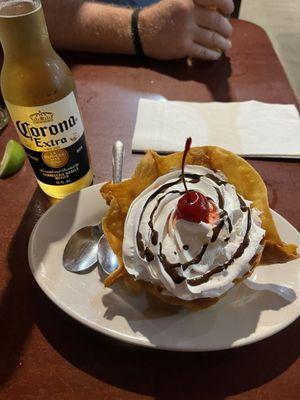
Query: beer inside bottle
[{"x": 39, "y": 92}]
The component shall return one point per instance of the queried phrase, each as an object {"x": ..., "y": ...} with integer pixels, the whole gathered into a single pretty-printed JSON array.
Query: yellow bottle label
[{"x": 53, "y": 137}]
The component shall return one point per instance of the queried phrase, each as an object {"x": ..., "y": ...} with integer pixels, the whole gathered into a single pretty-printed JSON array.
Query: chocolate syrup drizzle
[
  {"x": 205, "y": 277},
  {"x": 174, "y": 269}
]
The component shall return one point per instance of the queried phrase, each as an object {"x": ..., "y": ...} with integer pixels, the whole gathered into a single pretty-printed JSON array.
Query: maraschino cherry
[{"x": 192, "y": 206}]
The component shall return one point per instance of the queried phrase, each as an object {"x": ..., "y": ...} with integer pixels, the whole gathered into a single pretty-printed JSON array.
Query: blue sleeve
[{"x": 131, "y": 3}]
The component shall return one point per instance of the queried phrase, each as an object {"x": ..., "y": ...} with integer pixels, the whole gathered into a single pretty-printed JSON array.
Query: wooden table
[{"x": 44, "y": 354}]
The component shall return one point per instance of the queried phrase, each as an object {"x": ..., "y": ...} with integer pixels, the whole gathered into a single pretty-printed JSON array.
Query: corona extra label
[{"x": 53, "y": 139}]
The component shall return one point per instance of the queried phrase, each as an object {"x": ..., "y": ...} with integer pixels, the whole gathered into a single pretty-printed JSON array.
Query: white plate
[{"x": 243, "y": 316}]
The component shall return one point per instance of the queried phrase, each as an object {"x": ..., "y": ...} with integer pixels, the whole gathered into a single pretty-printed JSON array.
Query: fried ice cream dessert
[{"x": 189, "y": 226}]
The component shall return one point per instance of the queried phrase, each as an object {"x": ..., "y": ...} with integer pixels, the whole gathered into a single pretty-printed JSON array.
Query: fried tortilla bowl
[{"x": 239, "y": 172}]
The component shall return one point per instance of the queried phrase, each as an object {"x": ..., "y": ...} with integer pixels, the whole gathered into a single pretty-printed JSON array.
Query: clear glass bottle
[{"x": 39, "y": 93}]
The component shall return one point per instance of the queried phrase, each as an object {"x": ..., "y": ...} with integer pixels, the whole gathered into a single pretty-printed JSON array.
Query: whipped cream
[{"x": 191, "y": 260}]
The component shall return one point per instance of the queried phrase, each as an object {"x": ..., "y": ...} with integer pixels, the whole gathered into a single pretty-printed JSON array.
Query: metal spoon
[
  {"x": 84, "y": 248},
  {"x": 106, "y": 257}
]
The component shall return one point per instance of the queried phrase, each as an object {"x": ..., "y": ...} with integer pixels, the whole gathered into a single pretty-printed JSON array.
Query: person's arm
[
  {"x": 89, "y": 26},
  {"x": 169, "y": 29}
]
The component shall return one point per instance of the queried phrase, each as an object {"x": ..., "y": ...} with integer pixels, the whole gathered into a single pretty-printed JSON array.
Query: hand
[{"x": 174, "y": 29}]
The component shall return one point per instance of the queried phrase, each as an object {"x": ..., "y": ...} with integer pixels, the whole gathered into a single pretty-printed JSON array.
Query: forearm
[
  {"x": 169, "y": 29},
  {"x": 89, "y": 26}
]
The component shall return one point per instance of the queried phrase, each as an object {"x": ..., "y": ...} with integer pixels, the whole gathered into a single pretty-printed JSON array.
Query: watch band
[{"x": 135, "y": 33}]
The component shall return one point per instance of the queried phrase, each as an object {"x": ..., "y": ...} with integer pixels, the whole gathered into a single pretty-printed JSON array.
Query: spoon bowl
[
  {"x": 81, "y": 252},
  {"x": 107, "y": 259}
]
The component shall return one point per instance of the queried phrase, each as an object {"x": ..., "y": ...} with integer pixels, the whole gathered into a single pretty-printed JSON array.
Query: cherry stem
[{"x": 186, "y": 150}]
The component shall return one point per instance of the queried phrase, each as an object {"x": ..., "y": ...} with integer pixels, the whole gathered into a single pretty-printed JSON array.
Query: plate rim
[{"x": 144, "y": 342}]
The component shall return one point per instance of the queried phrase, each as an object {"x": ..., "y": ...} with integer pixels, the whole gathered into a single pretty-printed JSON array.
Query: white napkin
[{"x": 249, "y": 128}]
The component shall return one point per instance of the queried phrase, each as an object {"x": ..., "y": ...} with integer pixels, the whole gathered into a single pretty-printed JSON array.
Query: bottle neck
[{"x": 24, "y": 33}]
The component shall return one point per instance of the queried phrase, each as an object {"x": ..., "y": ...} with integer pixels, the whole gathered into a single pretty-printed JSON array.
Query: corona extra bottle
[{"x": 39, "y": 93}]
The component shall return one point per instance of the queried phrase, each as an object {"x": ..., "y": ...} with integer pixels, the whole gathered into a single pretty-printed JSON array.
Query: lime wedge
[{"x": 13, "y": 159}]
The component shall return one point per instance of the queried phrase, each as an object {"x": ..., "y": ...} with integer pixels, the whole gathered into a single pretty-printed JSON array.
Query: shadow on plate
[{"x": 234, "y": 318}]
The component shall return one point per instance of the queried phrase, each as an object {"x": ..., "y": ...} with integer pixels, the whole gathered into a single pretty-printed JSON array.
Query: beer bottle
[{"x": 39, "y": 93}]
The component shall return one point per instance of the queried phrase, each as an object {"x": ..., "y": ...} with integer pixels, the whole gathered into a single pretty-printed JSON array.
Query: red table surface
[{"x": 44, "y": 354}]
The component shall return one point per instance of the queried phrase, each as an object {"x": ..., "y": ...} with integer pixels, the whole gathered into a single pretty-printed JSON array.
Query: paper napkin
[{"x": 249, "y": 128}]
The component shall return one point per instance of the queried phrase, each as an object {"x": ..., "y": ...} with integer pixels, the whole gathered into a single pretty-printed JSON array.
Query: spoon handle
[{"x": 117, "y": 161}]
